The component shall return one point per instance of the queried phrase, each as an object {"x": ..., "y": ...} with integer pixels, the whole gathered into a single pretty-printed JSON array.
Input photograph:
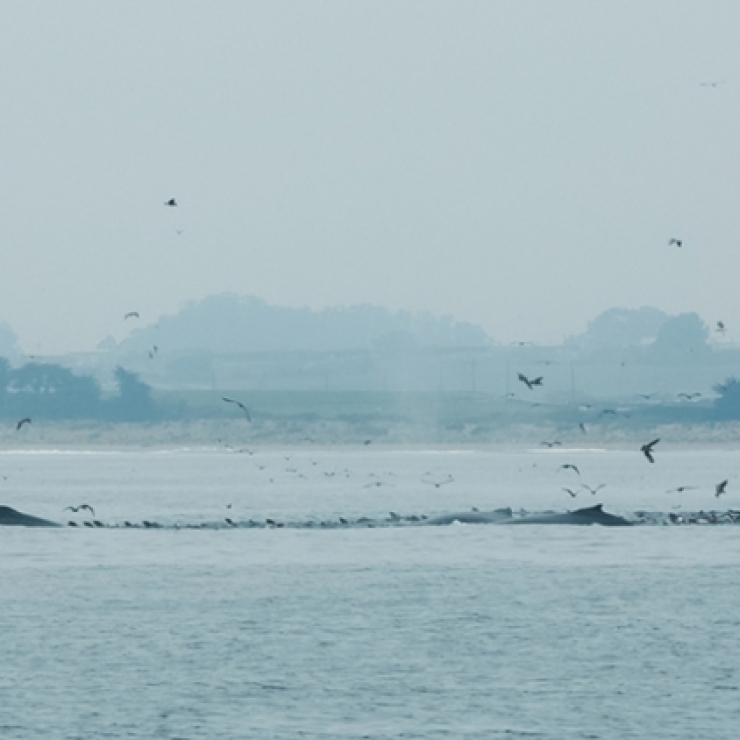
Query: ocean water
[{"x": 464, "y": 631}]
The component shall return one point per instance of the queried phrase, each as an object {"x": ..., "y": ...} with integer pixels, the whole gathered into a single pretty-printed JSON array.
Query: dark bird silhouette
[
  {"x": 556, "y": 443},
  {"x": 594, "y": 491},
  {"x": 721, "y": 327},
  {"x": 681, "y": 489},
  {"x": 26, "y": 420},
  {"x": 719, "y": 489},
  {"x": 171, "y": 202},
  {"x": 530, "y": 383},
  {"x": 75, "y": 509},
  {"x": 647, "y": 449},
  {"x": 567, "y": 466},
  {"x": 573, "y": 494},
  {"x": 131, "y": 315},
  {"x": 582, "y": 427},
  {"x": 677, "y": 242},
  {"x": 239, "y": 404},
  {"x": 689, "y": 396}
]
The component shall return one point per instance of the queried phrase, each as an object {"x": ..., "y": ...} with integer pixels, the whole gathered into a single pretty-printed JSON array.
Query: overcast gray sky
[{"x": 518, "y": 164}]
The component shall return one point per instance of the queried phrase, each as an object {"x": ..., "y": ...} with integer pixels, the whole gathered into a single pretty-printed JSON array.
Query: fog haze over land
[{"x": 519, "y": 166}]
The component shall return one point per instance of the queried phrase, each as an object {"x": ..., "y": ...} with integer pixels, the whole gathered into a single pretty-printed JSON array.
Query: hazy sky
[{"x": 521, "y": 165}]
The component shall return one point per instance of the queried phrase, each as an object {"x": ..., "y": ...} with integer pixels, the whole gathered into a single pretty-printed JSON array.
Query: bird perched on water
[
  {"x": 567, "y": 466},
  {"x": 719, "y": 489},
  {"x": 530, "y": 383},
  {"x": 171, "y": 203},
  {"x": 677, "y": 242},
  {"x": 240, "y": 405},
  {"x": 26, "y": 420},
  {"x": 647, "y": 449}
]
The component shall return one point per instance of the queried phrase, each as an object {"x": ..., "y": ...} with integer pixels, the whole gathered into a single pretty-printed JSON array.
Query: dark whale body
[
  {"x": 471, "y": 517},
  {"x": 12, "y": 518},
  {"x": 591, "y": 515}
]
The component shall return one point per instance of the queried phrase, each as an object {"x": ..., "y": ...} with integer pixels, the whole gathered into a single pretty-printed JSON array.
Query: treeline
[{"x": 50, "y": 391}]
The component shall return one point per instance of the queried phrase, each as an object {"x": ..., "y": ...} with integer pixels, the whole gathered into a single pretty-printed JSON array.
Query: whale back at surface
[
  {"x": 12, "y": 518},
  {"x": 591, "y": 515}
]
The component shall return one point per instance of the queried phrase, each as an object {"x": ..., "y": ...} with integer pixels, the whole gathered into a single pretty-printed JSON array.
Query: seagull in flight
[
  {"x": 79, "y": 508},
  {"x": 26, "y": 420},
  {"x": 171, "y": 203},
  {"x": 131, "y": 315},
  {"x": 239, "y": 404},
  {"x": 594, "y": 490},
  {"x": 530, "y": 383},
  {"x": 677, "y": 242},
  {"x": 573, "y": 494},
  {"x": 719, "y": 489},
  {"x": 689, "y": 396},
  {"x": 647, "y": 449},
  {"x": 567, "y": 466},
  {"x": 681, "y": 489}
]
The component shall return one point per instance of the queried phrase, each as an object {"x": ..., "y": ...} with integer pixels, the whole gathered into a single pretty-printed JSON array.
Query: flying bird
[
  {"x": 80, "y": 508},
  {"x": 131, "y": 315},
  {"x": 721, "y": 327},
  {"x": 240, "y": 405},
  {"x": 566, "y": 466},
  {"x": 573, "y": 494},
  {"x": 556, "y": 443},
  {"x": 530, "y": 383},
  {"x": 437, "y": 483},
  {"x": 594, "y": 490},
  {"x": 681, "y": 489},
  {"x": 26, "y": 420},
  {"x": 171, "y": 202},
  {"x": 689, "y": 396},
  {"x": 677, "y": 242},
  {"x": 719, "y": 489},
  {"x": 647, "y": 449}
]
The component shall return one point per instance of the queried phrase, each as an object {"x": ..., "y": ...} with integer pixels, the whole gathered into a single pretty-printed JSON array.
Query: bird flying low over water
[
  {"x": 594, "y": 491},
  {"x": 647, "y": 449},
  {"x": 677, "y": 242},
  {"x": 681, "y": 489},
  {"x": 171, "y": 202},
  {"x": 239, "y": 404},
  {"x": 529, "y": 383},
  {"x": 80, "y": 508},
  {"x": 573, "y": 494},
  {"x": 26, "y": 420},
  {"x": 131, "y": 315},
  {"x": 719, "y": 489},
  {"x": 567, "y": 466}
]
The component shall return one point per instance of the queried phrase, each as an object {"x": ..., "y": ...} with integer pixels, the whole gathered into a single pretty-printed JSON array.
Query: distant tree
[
  {"x": 727, "y": 406},
  {"x": 682, "y": 336},
  {"x": 134, "y": 401},
  {"x": 50, "y": 390},
  {"x": 620, "y": 328}
]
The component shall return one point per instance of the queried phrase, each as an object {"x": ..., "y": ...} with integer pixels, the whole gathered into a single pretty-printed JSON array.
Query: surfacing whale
[
  {"x": 12, "y": 518},
  {"x": 591, "y": 515},
  {"x": 471, "y": 517}
]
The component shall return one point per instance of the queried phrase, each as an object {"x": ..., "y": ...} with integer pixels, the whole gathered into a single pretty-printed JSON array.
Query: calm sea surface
[{"x": 388, "y": 632}]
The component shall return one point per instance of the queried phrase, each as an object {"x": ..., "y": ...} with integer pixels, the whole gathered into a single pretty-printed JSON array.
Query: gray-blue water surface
[{"x": 413, "y": 632}]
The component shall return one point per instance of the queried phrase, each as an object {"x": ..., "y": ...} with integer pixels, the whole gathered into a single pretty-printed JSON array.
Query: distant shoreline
[{"x": 237, "y": 435}]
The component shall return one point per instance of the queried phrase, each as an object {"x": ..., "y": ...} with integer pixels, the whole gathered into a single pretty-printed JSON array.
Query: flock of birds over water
[{"x": 647, "y": 449}]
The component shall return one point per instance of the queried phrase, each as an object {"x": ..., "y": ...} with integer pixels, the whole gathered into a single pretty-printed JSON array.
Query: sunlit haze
[{"x": 518, "y": 165}]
